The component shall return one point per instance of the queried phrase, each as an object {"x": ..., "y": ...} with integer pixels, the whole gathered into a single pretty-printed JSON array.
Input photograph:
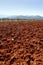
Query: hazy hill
[{"x": 21, "y": 17}]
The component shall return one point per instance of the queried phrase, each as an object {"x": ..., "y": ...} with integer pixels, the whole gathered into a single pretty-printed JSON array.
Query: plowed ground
[{"x": 21, "y": 43}]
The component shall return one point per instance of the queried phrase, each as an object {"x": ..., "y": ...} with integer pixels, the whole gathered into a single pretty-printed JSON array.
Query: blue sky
[{"x": 21, "y": 7}]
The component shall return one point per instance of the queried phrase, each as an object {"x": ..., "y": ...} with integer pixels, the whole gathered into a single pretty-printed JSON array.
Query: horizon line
[{"x": 21, "y": 15}]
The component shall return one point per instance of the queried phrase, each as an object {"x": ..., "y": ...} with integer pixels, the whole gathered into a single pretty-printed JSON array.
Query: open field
[{"x": 21, "y": 43}]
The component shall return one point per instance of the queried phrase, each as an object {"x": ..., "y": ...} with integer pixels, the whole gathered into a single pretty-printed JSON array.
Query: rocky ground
[{"x": 21, "y": 43}]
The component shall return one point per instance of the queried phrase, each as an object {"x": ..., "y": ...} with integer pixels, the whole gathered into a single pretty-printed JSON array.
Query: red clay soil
[{"x": 21, "y": 43}]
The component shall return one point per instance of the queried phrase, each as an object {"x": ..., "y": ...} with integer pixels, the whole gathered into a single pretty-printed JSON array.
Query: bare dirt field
[{"x": 21, "y": 43}]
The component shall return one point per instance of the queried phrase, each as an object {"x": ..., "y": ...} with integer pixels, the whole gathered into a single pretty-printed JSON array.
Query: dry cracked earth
[{"x": 21, "y": 43}]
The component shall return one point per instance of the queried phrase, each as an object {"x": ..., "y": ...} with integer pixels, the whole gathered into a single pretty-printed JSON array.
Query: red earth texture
[{"x": 21, "y": 43}]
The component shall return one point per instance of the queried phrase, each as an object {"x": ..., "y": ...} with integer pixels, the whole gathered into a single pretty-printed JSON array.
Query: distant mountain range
[{"x": 21, "y": 17}]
